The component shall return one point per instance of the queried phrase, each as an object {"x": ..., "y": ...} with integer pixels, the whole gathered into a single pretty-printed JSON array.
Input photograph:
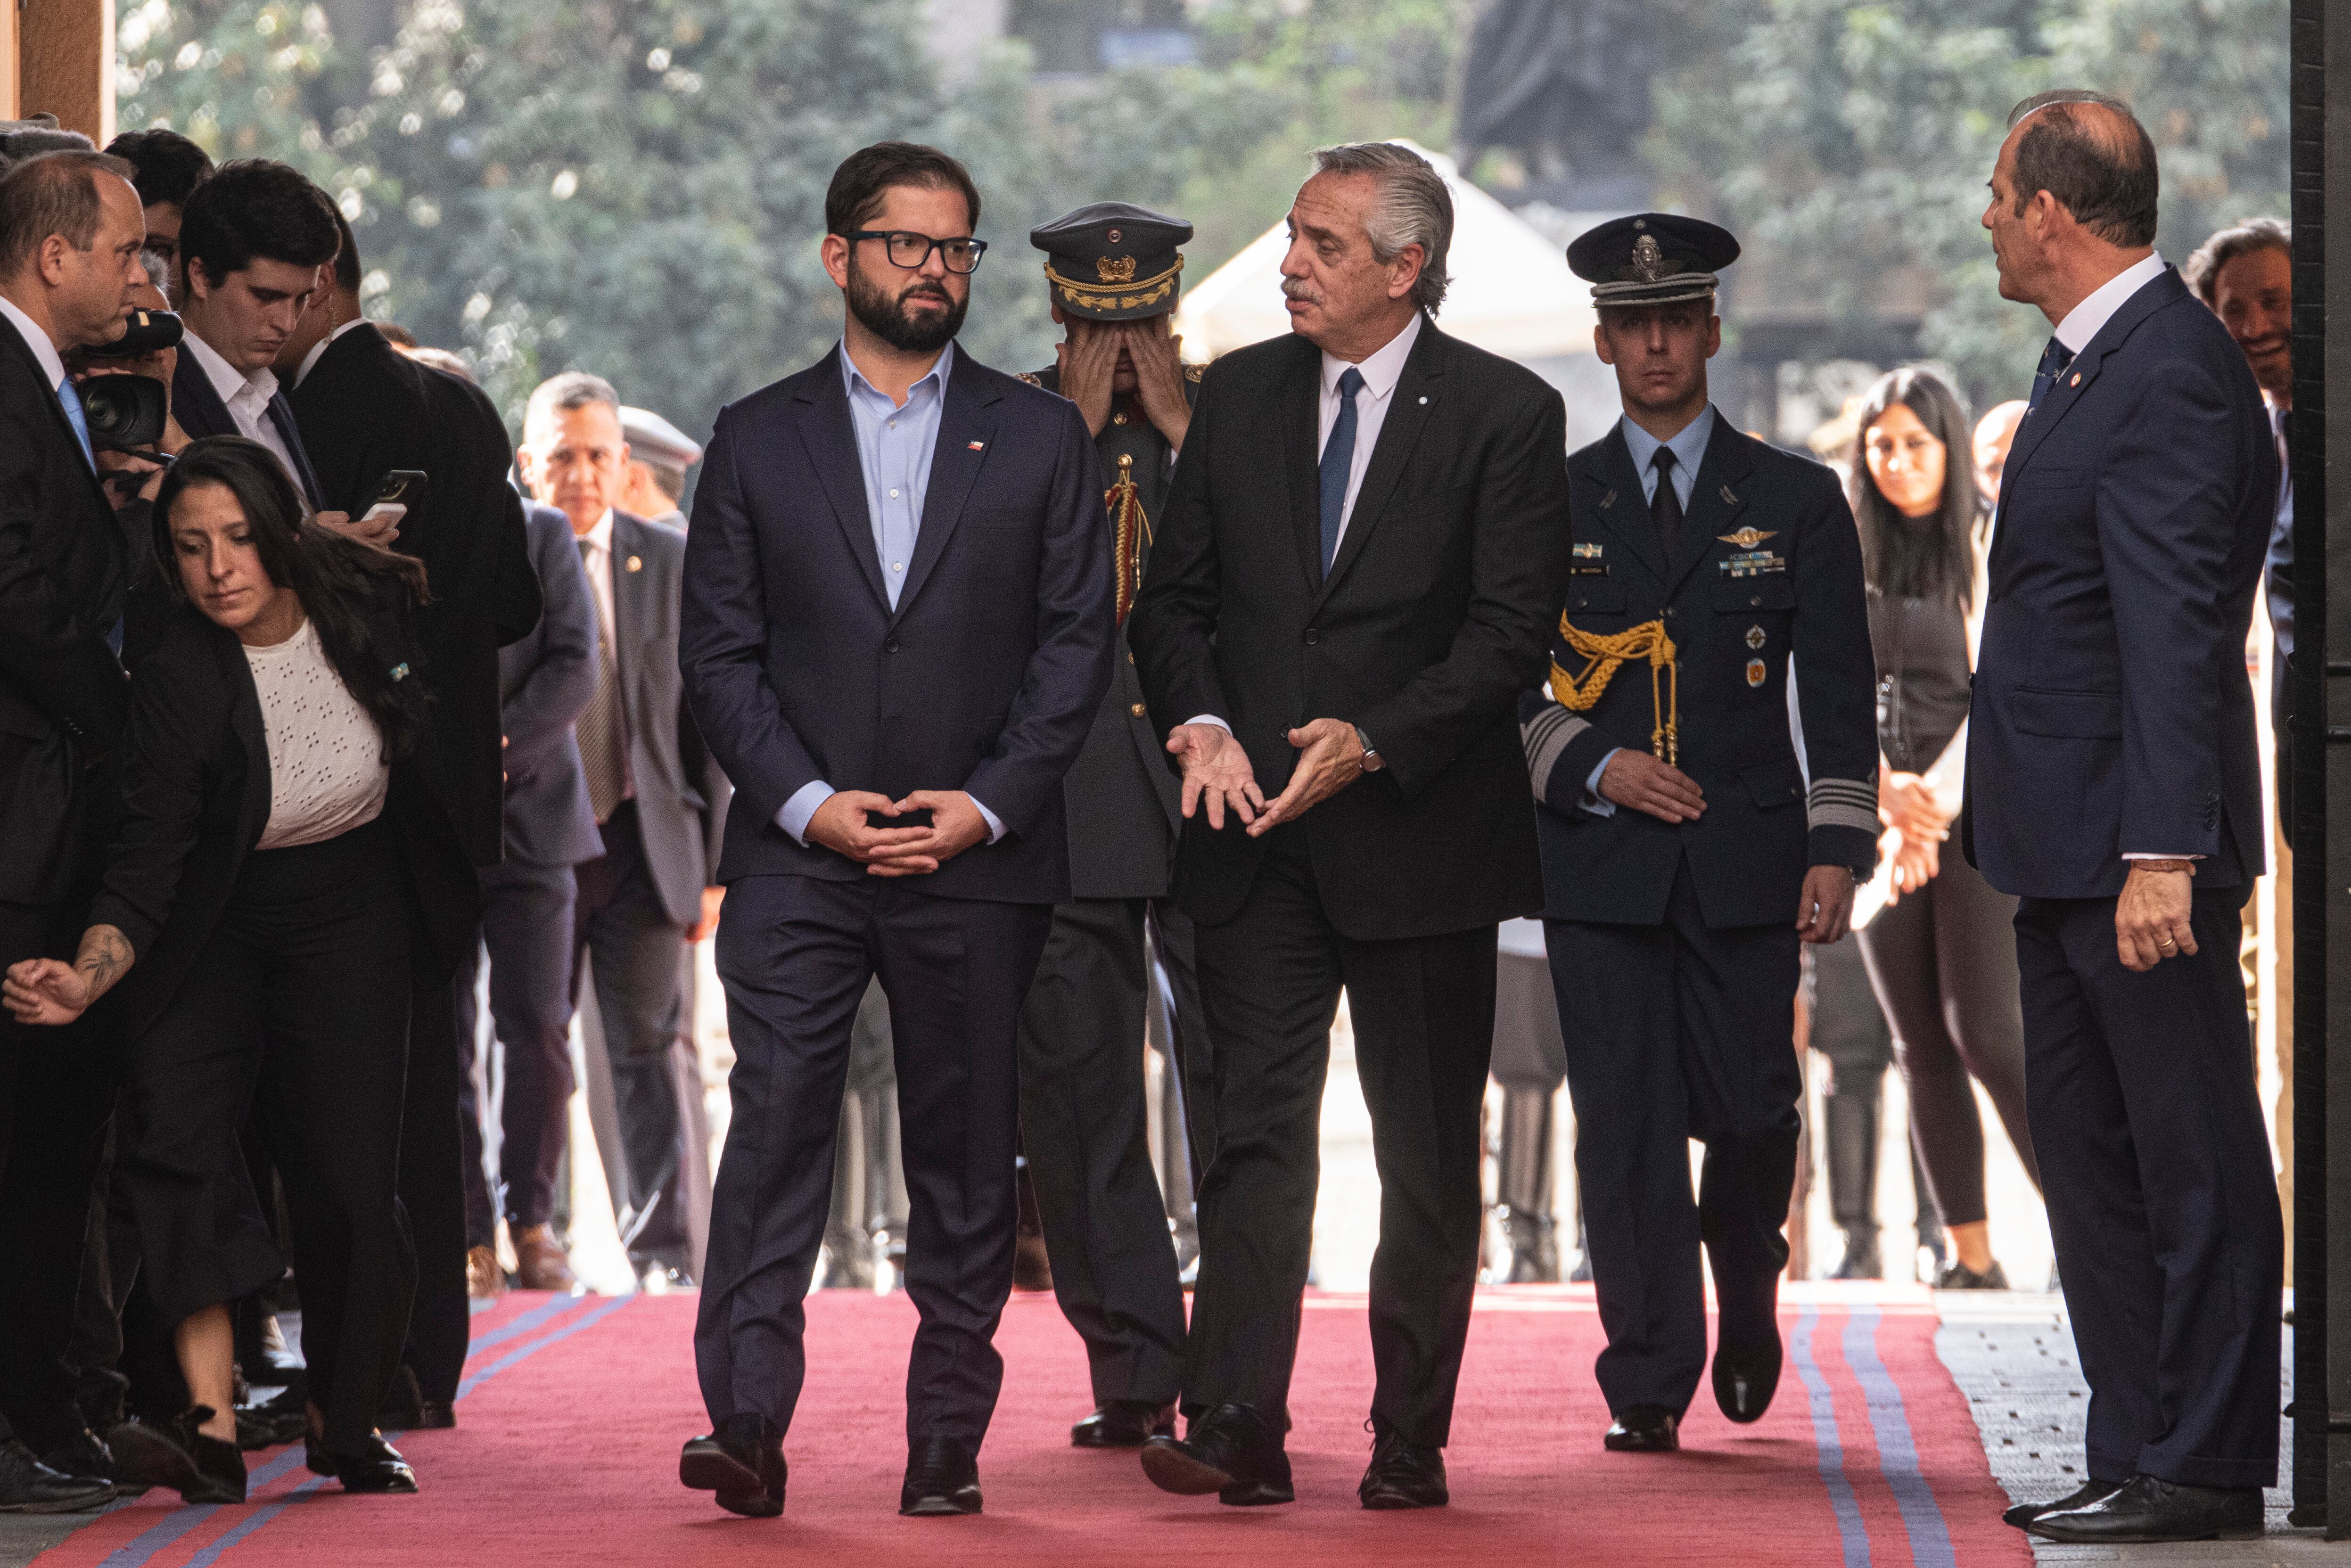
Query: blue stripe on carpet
[
  {"x": 1822, "y": 1404},
  {"x": 1898, "y": 1450}
]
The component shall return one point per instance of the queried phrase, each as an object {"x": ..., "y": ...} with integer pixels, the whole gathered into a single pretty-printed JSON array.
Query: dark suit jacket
[
  {"x": 544, "y": 683},
  {"x": 985, "y": 677},
  {"x": 200, "y": 413},
  {"x": 1125, "y": 805},
  {"x": 1732, "y": 637},
  {"x": 682, "y": 799},
  {"x": 2112, "y": 711},
  {"x": 195, "y": 798},
  {"x": 1431, "y": 623},
  {"x": 65, "y": 562},
  {"x": 366, "y": 409}
]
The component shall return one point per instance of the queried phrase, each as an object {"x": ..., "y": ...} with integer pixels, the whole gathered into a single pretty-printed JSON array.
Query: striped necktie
[{"x": 603, "y": 726}]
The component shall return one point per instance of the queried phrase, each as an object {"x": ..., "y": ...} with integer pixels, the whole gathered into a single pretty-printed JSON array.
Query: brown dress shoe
[
  {"x": 484, "y": 1281},
  {"x": 539, "y": 1261}
]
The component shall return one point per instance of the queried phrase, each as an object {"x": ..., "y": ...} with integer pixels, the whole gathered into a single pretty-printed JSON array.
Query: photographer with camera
[{"x": 70, "y": 233}]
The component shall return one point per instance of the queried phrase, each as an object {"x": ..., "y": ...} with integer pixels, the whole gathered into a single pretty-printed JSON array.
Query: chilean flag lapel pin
[{"x": 975, "y": 445}]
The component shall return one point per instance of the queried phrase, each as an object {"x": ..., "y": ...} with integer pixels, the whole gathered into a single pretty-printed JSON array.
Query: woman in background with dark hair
[
  {"x": 257, "y": 927},
  {"x": 1942, "y": 954}
]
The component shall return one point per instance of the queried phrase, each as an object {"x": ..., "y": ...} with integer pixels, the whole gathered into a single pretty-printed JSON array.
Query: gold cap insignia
[
  {"x": 1115, "y": 269},
  {"x": 1649, "y": 260},
  {"x": 1747, "y": 538}
]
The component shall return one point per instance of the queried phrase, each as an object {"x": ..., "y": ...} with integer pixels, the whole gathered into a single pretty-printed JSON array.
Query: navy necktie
[
  {"x": 1665, "y": 505},
  {"x": 1338, "y": 461},
  {"x": 2054, "y": 361}
]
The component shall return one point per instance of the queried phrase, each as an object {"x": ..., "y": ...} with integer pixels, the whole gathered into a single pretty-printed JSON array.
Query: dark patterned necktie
[
  {"x": 603, "y": 729},
  {"x": 2054, "y": 361},
  {"x": 1665, "y": 505}
]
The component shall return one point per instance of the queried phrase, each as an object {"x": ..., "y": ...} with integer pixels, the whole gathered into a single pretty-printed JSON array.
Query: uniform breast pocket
[{"x": 1745, "y": 595}]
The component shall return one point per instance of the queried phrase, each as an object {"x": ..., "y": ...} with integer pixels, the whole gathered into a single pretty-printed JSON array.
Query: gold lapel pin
[
  {"x": 636, "y": 563},
  {"x": 2077, "y": 381}
]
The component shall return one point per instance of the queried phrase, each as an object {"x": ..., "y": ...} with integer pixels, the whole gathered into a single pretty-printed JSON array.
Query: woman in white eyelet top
[{"x": 328, "y": 771}]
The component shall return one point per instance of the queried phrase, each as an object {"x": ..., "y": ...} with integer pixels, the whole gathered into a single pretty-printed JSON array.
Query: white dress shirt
[
  {"x": 247, "y": 396},
  {"x": 2099, "y": 307}
]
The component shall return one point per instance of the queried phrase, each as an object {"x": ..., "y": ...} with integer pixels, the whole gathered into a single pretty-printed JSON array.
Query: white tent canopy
[{"x": 1511, "y": 293}]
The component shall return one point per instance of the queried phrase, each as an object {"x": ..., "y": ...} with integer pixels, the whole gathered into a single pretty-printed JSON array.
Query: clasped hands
[
  {"x": 1906, "y": 803},
  {"x": 840, "y": 826},
  {"x": 1216, "y": 772},
  {"x": 1641, "y": 782}
]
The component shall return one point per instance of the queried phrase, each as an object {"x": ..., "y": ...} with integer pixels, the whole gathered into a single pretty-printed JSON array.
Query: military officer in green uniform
[{"x": 1113, "y": 270}]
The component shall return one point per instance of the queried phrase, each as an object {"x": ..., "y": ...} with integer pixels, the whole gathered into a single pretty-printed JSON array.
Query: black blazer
[
  {"x": 544, "y": 681},
  {"x": 985, "y": 678},
  {"x": 1733, "y": 636},
  {"x": 1433, "y": 621},
  {"x": 195, "y": 798},
  {"x": 199, "y": 412},
  {"x": 2112, "y": 711},
  {"x": 65, "y": 561},
  {"x": 366, "y": 409}
]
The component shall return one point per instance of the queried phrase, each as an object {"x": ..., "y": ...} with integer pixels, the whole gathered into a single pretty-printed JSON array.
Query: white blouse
[{"x": 327, "y": 773}]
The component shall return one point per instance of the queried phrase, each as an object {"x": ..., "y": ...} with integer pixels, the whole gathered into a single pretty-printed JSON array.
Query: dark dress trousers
[
  {"x": 2113, "y": 716},
  {"x": 1083, "y": 1110},
  {"x": 544, "y": 681},
  {"x": 643, "y": 888},
  {"x": 65, "y": 562},
  {"x": 1673, "y": 946},
  {"x": 1428, "y": 625},
  {"x": 985, "y": 677},
  {"x": 276, "y": 979},
  {"x": 364, "y": 410}
]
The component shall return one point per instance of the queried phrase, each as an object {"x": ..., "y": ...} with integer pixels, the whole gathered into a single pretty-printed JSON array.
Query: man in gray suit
[
  {"x": 655, "y": 795},
  {"x": 544, "y": 681}
]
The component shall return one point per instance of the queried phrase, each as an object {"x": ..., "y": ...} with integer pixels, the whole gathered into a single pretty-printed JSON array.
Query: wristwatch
[{"x": 1373, "y": 761}]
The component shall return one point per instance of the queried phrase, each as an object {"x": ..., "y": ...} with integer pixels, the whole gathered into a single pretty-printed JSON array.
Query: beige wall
[
  {"x": 7, "y": 61},
  {"x": 63, "y": 57}
]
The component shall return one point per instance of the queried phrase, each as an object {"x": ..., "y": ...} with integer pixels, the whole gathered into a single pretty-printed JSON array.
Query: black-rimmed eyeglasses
[{"x": 911, "y": 250}]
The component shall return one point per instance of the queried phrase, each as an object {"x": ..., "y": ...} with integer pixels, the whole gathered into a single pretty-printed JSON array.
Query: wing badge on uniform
[{"x": 1747, "y": 538}]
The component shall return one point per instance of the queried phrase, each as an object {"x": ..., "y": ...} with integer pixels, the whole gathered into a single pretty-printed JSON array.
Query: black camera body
[
  {"x": 124, "y": 413},
  {"x": 148, "y": 332}
]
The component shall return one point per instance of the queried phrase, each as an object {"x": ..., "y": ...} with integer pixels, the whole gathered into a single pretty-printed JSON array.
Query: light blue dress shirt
[
  {"x": 895, "y": 447},
  {"x": 1690, "y": 451}
]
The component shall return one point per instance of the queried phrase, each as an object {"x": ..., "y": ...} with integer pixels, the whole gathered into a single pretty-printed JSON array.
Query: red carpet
[{"x": 567, "y": 1454}]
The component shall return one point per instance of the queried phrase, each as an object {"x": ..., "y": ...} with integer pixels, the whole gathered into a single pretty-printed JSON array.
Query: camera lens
[{"x": 124, "y": 412}]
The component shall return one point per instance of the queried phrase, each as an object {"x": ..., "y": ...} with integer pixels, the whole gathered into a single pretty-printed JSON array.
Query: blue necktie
[
  {"x": 2054, "y": 361},
  {"x": 70, "y": 401},
  {"x": 1338, "y": 459}
]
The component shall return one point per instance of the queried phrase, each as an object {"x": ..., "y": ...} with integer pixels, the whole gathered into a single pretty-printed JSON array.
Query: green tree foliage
[{"x": 1855, "y": 141}]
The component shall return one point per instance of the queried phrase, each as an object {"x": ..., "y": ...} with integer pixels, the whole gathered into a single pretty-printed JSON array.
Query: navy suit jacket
[
  {"x": 985, "y": 678},
  {"x": 545, "y": 680},
  {"x": 198, "y": 408},
  {"x": 2113, "y": 714}
]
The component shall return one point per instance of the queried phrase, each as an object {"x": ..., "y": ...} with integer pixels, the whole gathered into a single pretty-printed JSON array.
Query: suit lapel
[
  {"x": 1621, "y": 508},
  {"x": 280, "y": 414},
  {"x": 967, "y": 431},
  {"x": 1300, "y": 393},
  {"x": 192, "y": 392},
  {"x": 831, "y": 438},
  {"x": 1715, "y": 500},
  {"x": 23, "y": 353},
  {"x": 253, "y": 739},
  {"x": 1409, "y": 403}
]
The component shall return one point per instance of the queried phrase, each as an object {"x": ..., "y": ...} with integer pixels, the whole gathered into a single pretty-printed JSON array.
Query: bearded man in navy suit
[
  {"x": 2114, "y": 786},
  {"x": 897, "y": 630}
]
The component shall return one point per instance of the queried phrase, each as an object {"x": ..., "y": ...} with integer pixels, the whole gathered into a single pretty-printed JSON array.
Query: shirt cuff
[
  {"x": 793, "y": 815},
  {"x": 995, "y": 822},
  {"x": 1594, "y": 801},
  {"x": 2151, "y": 856},
  {"x": 1210, "y": 718}
]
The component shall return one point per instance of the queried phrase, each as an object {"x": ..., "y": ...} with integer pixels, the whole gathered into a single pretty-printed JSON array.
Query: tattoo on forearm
[{"x": 105, "y": 955}]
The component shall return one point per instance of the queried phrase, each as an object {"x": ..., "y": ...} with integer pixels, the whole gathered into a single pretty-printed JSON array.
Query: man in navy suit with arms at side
[
  {"x": 2114, "y": 786},
  {"x": 897, "y": 629}
]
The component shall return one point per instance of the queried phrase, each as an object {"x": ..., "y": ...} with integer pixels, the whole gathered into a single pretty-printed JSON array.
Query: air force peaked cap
[
  {"x": 1651, "y": 258},
  {"x": 656, "y": 440},
  {"x": 1112, "y": 261}
]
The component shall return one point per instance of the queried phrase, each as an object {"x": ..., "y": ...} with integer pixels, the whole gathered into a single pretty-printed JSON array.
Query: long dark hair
[
  {"x": 1924, "y": 558},
  {"x": 338, "y": 580}
]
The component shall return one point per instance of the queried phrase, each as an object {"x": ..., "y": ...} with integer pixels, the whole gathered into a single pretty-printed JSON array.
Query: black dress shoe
[
  {"x": 743, "y": 1461},
  {"x": 84, "y": 1457},
  {"x": 1960, "y": 1277},
  {"x": 1123, "y": 1423},
  {"x": 1403, "y": 1475},
  {"x": 1747, "y": 1361},
  {"x": 283, "y": 1417},
  {"x": 2144, "y": 1509},
  {"x": 2089, "y": 1491},
  {"x": 1231, "y": 1451},
  {"x": 375, "y": 1467},
  {"x": 405, "y": 1410},
  {"x": 1644, "y": 1429},
  {"x": 177, "y": 1454},
  {"x": 29, "y": 1486},
  {"x": 941, "y": 1477}
]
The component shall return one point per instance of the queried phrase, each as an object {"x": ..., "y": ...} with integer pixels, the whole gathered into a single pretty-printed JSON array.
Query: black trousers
[
  {"x": 526, "y": 932},
  {"x": 433, "y": 1196},
  {"x": 1676, "y": 1031},
  {"x": 1423, "y": 1012},
  {"x": 1085, "y": 1131},
  {"x": 794, "y": 954},
  {"x": 619, "y": 924},
  {"x": 1943, "y": 963},
  {"x": 2156, "y": 1167},
  {"x": 57, "y": 1094},
  {"x": 298, "y": 1005}
]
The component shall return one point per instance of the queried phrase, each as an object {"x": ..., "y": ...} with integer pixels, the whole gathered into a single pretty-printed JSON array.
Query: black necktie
[
  {"x": 1665, "y": 505},
  {"x": 2054, "y": 361}
]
